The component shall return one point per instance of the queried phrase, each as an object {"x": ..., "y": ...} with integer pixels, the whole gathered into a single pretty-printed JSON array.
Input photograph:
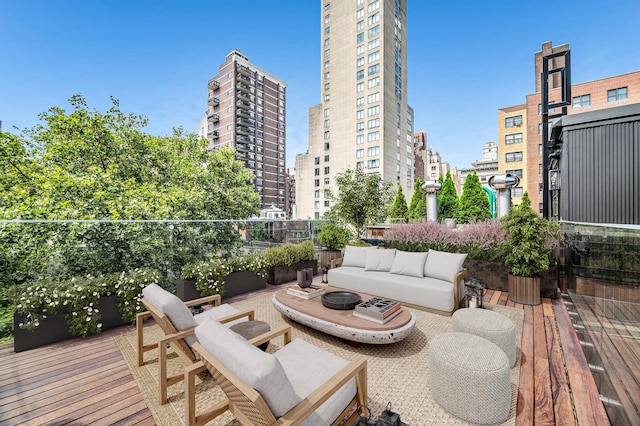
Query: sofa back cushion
[
  {"x": 442, "y": 265},
  {"x": 170, "y": 305},
  {"x": 259, "y": 370},
  {"x": 355, "y": 256},
  {"x": 379, "y": 260},
  {"x": 409, "y": 263}
]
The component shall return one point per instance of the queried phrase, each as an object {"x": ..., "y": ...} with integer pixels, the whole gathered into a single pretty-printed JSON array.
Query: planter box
[
  {"x": 54, "y": 328},
  {"x": 525, "y": 290},
  {"x": 285, "y": 274},
  {"x": 235, "y": 283}
]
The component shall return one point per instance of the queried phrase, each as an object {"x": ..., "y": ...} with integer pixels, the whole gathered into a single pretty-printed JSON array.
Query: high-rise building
[
  {"x": 247, "y": 111},
  {"x": 520, "y": 126},
  {"x": 363, "y": 119},
  {"x": 419, "y": 155}
]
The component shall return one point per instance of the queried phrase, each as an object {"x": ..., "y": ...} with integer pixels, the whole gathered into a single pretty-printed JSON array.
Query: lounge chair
[
  {"x": 178, "y": 323},
  {"x": 299, "y": 383}
]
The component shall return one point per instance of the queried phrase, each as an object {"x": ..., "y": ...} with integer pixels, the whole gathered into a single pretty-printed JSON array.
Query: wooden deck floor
[{"x": 86, "y": 381}]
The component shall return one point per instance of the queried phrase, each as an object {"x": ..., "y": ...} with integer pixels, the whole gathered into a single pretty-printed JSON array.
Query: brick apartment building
[{"x": 520, "y": 126}]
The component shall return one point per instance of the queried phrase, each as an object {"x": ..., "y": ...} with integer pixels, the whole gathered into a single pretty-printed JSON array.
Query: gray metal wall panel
[{"x": 600, "y": 173}]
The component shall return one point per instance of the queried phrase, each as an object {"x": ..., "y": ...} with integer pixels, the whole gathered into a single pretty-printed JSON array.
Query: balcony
[
  {"x": 242, "y": 77},
  {"x": 245, "y": 88},
  {"x": 245, "y": 71},
  {"x": 213, "y": 117},
  {"x": 213, "y": 100},
  {"x": 244, "y": 130},
  {"x": 85, "y": 380},
  {"x": 213, "y": 84},
  {"x": 245, "y": 122},
  {"x": 212, "y": 134}
]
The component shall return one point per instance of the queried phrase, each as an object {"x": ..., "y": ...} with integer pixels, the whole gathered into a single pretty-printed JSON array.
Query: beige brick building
[
  {"x": 363, "y": 119},
  {"x": 520, "y": 145}
]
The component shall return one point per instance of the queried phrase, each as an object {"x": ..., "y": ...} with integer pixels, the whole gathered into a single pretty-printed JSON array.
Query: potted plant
[
  {"x": 284, "y": 261},
  {"x": 530, "y": 250},
  {"x": 225, "y": 276},
  {"x": 332, "y": 238}
]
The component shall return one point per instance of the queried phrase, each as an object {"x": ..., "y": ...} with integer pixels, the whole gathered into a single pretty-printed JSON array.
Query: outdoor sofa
[{"x": 432, "y": 281}]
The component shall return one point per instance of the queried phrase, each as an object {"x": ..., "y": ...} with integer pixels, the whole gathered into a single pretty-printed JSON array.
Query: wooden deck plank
[
  {"x": 544, "y": 414},
  {"x": 526, "y": 391},
  {"x": 588, "y": 407},
  {"x": 562, "y": 403}
]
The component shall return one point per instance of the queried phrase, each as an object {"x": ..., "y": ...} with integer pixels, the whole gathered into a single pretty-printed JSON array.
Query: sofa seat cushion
[
  {"x": 308, "y": 367},
  {"x": 426, "y": 292},
  {"x": 259, "y": 370}
]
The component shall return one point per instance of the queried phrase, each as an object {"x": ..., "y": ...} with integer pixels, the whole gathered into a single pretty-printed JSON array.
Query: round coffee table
[{"x": 251, "y": 329}]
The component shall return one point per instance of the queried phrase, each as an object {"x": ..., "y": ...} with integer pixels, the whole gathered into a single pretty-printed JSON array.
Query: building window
[
  {"x": 360, "y": 87},
  {"x": 359, "y": 74},
  {"x": 515, "y": 172},
  {"x": 373, "y": 18},
  {"x": 326, "y": 203},
  {"x": 316, "y": 193},
  {"x": 359, "y": 153},
  {"x": 360, "y": 38},
  {"x": 373, "y": 82},
  {"x": 373, "y": 150},
  {"x": 373, "y": 6},
  {"x": 327, "y": 30},
  {"x": 360, "y": 13},
  {"x": 374, "y": 110},
  {"x": 360, "y": 62},
  {"x": 326, "y": 158},
  {"x": 327, "y": 97},
  {"x": 373, "y": 43},
  {"x": 359, "y": 139},
  {"x": 360, "y": 26},
  {"x": 326, "y": 146},
  {"x": 510, "y": 157},
  {"x": 373, "y": 31},
  {"x": 316, "y": 160},
  {"x": 374, "y": 97},
  {"x": 326, "y": 41},
  {"x": 327, "y": 75},
  {"x": 327, "y": 135},
  {"x": 360, "y": 114},
  {"x": 360, "y": 50},
  {"x": 360, "y": 127},
  {"x": 373, "y": 164},
  {"x": 316, "y": 204},
  {"x": 326, "y": 182},
  {"x": 326, "y": 170},
  {"x": 360, "y": 102},
  {"x": 317, "y": 182},
  {"x": 513, "y": 121},
  {"x": 617, "y": 94},
  {"x": 373, "y": 136},
  {"x": 581, "y": 101},
  {"x": 327, "y": 111},
  {"x": 373, "y": 69},
  {"x": 316, "y": 172},
  {"x": 327, "y": 6},
  {"x": 327, "y": 63},
  {"x": 513, "y": 138},
  {"x": 373, "y": 56},
  {"x": 360, "y": 165},
  {"x": 373, "y": 123},
  {"x": 516, "y": 192}
]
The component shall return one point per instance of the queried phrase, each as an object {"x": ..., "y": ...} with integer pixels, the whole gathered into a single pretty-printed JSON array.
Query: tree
[
  {"x": 474, "y": 203},
  {"x": 362, "y": 199},
  {"x": 418, "y": 194},
  {"x": 100, "y": 166},
  {"x": 447, "y": 199},
  {"x": 399, "y": 209}
]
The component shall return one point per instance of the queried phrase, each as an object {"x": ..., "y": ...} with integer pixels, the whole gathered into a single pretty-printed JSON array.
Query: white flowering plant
[
  {"x": 79, "y": 299},
  {"x": 210, "y": 274}
]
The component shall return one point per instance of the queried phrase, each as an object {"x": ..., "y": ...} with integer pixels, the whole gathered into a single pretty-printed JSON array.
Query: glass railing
[{"x": 601, "y": 265}]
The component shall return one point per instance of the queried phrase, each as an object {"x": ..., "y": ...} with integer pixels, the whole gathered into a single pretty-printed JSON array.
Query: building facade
[
  {"x": 419, "y": 155},
  {"x": 247, "y": 111},
  {"x": 363, "y": 119},
  {"x": 520, "y": 146}
]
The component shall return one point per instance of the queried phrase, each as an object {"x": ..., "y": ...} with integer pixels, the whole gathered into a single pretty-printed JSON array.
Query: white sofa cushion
[
  {"x": 409, "y": 263},
  {"x": 308, "y": 367},
  {"x": 260, "y": 370},
  {"x": 355, "y": 256},
  {"x": 379, "y": 260},
  {"x": 442, "y": 265}
]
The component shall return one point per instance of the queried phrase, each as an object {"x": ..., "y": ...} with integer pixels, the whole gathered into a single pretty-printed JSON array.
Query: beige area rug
[{"x": 398, "y": 372}]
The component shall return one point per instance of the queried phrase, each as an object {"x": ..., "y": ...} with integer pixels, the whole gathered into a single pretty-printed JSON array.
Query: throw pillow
[
  {"x": 355, "y": 256},
  {"x": 408, "y": 263},
  {"x": 443, "y": 265},
  {"x": 259, "y": 370},
  {"x": 379, "y": 260}
]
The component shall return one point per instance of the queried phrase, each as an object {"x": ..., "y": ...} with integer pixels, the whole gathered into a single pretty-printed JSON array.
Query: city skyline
[{"x": 464, "y": 63}]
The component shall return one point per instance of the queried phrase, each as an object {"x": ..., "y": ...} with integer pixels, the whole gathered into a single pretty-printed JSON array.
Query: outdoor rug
[{"x": 398, "y": 372}]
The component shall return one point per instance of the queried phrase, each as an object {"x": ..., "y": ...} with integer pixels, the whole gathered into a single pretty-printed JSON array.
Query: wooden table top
[{"x": 315, "y": 308}]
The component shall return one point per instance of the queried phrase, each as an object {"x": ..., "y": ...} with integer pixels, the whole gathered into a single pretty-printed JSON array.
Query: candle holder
[{"x": 474, "y": 293}]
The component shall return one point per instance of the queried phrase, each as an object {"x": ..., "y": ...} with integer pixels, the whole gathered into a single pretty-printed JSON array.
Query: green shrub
[
  {"x": 288, "y": 254},
  {"x": 333, "y": 237}
]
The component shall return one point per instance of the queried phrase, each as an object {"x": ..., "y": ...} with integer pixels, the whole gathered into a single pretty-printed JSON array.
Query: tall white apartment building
[
  {"x": 363, "y": 120},
  {"x": 247, "y": 111}
]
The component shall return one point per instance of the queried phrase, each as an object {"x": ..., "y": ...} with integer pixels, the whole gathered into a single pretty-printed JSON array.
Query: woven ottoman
[
  {"x": 490, "y": 325},
  {"x": 469, "y": 377}
]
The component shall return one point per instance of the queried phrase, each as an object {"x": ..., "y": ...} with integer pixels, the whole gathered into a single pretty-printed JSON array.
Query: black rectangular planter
[
  {"x": 285, "y": 274},
  {"x": 54, "y": 327},
  {"x": 235, "y": 283}
]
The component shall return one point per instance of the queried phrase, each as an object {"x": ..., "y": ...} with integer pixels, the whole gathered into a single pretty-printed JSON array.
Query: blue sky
[{"x": 466, "y": 59}]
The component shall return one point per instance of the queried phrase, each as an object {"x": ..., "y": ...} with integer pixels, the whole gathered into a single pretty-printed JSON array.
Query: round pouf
[
  {"x": 490, "y": 325},
  {"x": 469, "y": 377}
]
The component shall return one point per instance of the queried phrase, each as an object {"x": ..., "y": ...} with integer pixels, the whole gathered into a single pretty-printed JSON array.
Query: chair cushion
[
  {"x": 409, "y": 263},
  {"x": 379, "y": 260},
  {"x": 442, "y": 265},
  {"x": 170, "y": 305},
  {"x": 259, "y": 370},
  {"x": 308, "y": 367}
]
